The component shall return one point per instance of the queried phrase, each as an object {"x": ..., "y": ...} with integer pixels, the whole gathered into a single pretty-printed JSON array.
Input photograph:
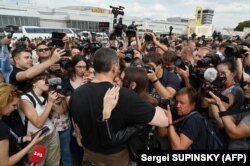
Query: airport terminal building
[{"x": 80, "y": 17}]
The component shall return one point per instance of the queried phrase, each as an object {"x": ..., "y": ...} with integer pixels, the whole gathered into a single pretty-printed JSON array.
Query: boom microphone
[
  {"x": 54, "y": 81},
  {"x": 210, "y": 74},
  {"x": 37, "y": 155}
]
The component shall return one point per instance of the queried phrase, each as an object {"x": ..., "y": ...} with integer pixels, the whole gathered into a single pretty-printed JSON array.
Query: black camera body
[
  {"x": 164, "y": 103},
  {"x": 148, "y": 37},
  {"x": 179, "y": 62},
  {"x": 129, "y": 54},
  {"x": 149, "y": 68},
  {"x": 117, "y": 10},
  {"x": 213, "y": 59},
  {"x": 237, "y": 51}
]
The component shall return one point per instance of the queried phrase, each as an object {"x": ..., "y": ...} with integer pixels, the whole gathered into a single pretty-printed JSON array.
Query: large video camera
[
  {"x": 55, "y": 84},
  {"x": 118, "y": 27},
  {"x": 131, "y": 30},
  {"x": 237, "y": 51}
]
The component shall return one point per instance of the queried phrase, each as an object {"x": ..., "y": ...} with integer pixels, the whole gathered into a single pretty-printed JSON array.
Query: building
[
  {"x": 178, "y": 19},
  {"x": 87, "y": 18},
  {"x": 207, "y": 16}
]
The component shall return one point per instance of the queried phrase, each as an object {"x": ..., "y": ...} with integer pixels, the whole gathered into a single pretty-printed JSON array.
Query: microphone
[
  {"x": 210, "y": 74},
  {"x": 37, "y": 155},
  {"x": 54, "y": 81}
]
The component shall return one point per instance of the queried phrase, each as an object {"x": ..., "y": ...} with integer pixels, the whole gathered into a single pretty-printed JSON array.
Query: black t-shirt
[
  {"x": 194, "y": 128},
  {"x": 6, "y": 133},
  {"x": 87, "y": 105},
  {"x": 21, "y": 85}
]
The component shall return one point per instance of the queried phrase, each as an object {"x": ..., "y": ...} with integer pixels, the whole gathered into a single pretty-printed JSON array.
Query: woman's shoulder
[{"x": 4, "y": 131}]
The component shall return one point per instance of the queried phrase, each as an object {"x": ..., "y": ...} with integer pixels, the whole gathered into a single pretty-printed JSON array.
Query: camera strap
[{"x": 37, "y": 99}]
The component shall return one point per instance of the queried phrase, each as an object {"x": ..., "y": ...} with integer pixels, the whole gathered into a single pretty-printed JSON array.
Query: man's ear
[{"x": 132, "y": 85}]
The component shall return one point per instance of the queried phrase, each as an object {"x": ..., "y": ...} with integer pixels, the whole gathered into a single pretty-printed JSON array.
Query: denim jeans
[{"x": 66, "y": 157}]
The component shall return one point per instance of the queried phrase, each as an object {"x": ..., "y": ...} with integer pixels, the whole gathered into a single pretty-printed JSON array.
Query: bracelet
[
  {"x": 221, "y": 114},
  {"x": 153, "y": 82}
]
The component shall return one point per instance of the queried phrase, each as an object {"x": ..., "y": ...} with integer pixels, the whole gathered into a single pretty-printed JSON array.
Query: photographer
[
  {"x": 35, "y": 109},
  {"x": 238, "y": 129},
  {"x": 152, "y": 44},
  {"x": 164, "y": 84},
  {"x": 242, "y": 64},
  {"x": 191, "y": 133}
]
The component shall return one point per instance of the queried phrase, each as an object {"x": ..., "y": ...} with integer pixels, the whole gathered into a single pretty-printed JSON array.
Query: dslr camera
[
  {"x": 237, "y": 51},
  {"x": 149, "y": 68},
  {"x": 129, "y": 54},
  {"x": 212, "y": 59},
  {"x": 164, "y": 103}
]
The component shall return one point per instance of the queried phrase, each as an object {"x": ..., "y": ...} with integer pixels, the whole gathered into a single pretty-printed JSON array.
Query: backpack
[{"x": 214, "y": 139}]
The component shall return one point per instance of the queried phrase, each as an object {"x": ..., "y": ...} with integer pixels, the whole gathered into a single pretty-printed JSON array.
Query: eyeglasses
[
  {"x": 80, "y": 67},
  {"x": 43, "y": 49}
]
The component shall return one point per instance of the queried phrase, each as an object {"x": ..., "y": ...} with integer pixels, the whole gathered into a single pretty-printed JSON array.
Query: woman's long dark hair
[{"x": 139, "y": 76}]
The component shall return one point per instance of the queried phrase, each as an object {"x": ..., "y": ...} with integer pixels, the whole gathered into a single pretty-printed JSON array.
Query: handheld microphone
[
  {"x": 54, "y": 81},
  {"x": 37, "y": 155},
  {"x": 210, "y": 74}
]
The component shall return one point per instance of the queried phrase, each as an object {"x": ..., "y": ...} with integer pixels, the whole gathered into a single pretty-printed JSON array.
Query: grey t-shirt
[{"x": 240, "y": 144}]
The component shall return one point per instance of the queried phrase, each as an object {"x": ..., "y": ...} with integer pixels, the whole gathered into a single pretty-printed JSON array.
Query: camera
[
  {"x": 129, "y": 54},
  {"x": 213, "y": 59},
  {"x": 64, "y": 62},
  {"x": 148, "y": 68},
  {"x": 148, "y": 37},
  {"x": 131, "y": 30},
  {"x": 117, "y": 10},
  {"x": 179, "y": 62},
  {"x": 22, "y": 43},
  {"x": 164, "y": 103},
  {"x": 237, "y": 51},
  {"x": 9, "y": 30}
]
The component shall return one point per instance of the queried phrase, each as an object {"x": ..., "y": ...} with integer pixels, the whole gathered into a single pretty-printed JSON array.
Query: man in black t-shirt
[
  {"x": 192, "y": 133},
  {"x": 86, "y": 105}
]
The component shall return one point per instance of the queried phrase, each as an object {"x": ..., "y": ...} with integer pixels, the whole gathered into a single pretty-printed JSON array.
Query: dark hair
[
  {"x": 230, "y": 64},
  {"x": 17, "y": 52},
  {"x": 152, "y": 57},
  {"x": 41, "y": 44},
  {"x": 191, "y": 92},
  {"x": 74, "y": 61},
  {"x": 104, "y": 58},
  {"x": 169, "y": 56},
  {"x": 39, "y": 77},
  {"x": 139, "y": 76}
]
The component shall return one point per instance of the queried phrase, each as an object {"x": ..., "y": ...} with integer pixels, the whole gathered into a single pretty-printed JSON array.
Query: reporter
[
  {"x": 238, "y": 130},
  {"x": 37, "y": 113},
  {"x": 10, "y": 151}
]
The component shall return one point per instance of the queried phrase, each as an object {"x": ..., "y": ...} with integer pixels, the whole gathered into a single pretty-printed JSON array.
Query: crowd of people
[{"x": 102, "y": 103}]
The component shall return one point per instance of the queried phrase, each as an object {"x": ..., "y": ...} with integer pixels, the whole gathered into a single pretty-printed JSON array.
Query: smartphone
[
  {"x": 44, "y": 130},
  {"x": 57, "y": 39}
]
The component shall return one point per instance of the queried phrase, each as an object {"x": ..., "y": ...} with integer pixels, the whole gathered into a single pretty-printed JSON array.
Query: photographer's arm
[
  {"x": 164, "y": 92},
  {"x": 160, "y": 45},
  {"x": 30, "y": 112},
  {"x": 241, "y": 71},
  {"x": 37, "y": 69},
  {"x": 234, "y": 131},
  {"x": 138, "y": 42}
]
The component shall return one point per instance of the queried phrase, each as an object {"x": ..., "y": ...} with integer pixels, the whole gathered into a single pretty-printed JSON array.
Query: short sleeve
[{"x": 4, "y": 131}]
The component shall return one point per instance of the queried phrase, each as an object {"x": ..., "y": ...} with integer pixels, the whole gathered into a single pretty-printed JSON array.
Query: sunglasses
[{"x": 43, "y": 49}]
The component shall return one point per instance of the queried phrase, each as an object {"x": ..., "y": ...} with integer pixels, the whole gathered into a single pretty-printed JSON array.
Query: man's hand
[{"x": 6, "y": 41}]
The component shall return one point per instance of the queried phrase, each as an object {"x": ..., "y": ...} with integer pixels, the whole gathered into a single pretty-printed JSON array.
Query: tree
[{"x": 241, "y": 25}]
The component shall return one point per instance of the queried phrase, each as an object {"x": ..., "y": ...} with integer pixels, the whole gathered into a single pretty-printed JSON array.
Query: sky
[{"x": 227, "y": 14}]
